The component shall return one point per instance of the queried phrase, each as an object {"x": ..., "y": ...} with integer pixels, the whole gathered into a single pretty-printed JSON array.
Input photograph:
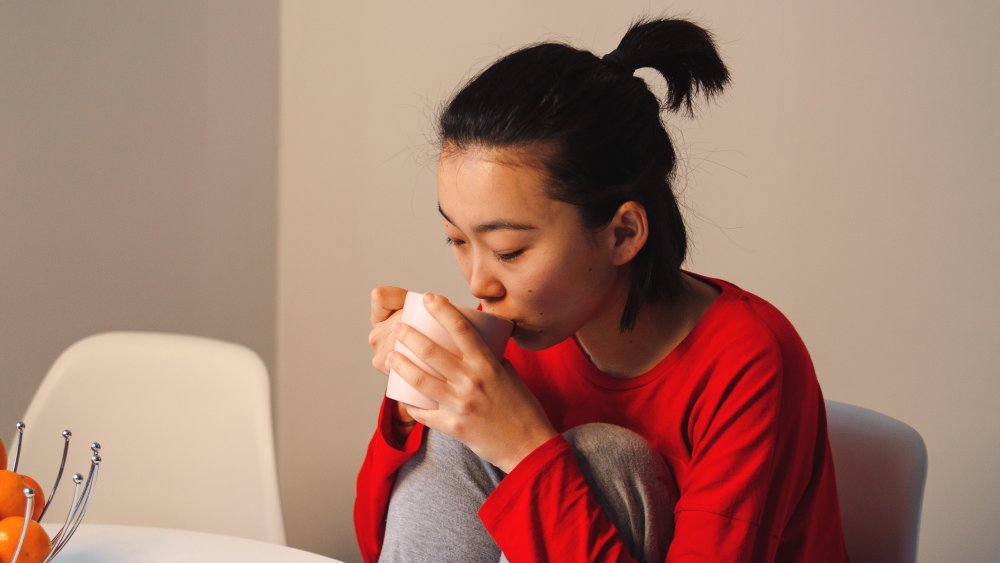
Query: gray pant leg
[
  {"x": 631, "y": 482},
  {"x": 433, "y": 512},
  {"x": 433, "y": 509}
]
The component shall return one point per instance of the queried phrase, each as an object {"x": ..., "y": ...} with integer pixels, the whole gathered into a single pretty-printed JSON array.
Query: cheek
[
  {"x": 539, "y": 281},
  {"x": 551, "y": 286},
  {"x": 578, "y": 282}
]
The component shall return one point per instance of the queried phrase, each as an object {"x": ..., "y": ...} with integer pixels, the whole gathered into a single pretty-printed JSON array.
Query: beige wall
[
  {"x": 849, "y": 176},
  {"x": 138, "y": 177}
]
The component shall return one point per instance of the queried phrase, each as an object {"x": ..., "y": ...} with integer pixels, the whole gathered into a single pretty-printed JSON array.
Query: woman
[{"x": 640, "y": 412}]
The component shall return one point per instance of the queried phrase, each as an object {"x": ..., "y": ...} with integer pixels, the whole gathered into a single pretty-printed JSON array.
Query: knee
[
  {"x": 614, "y": 446},
  {"x": 600, "y": 436},
  {"x": 632, "y": 483}
]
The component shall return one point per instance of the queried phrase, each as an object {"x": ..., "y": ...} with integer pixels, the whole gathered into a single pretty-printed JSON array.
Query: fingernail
[
  {"x": 389, "y": 357},
  {"x": 396, "y": 327},
  {"x": 429, "y": 297}
]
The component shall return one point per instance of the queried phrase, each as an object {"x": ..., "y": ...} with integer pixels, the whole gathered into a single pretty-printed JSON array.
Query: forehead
[{"x": 479, "y": 185}]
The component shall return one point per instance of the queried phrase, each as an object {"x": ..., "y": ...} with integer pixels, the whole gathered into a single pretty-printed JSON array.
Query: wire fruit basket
[{"x": 82, "y": 493}]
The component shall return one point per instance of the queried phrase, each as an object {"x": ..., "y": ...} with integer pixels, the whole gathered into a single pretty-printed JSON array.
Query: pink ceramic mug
[{"x": 494, "y": 331}]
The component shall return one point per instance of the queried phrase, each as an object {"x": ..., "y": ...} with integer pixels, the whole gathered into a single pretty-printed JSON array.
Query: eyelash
[{"x": 506, "y": 257}]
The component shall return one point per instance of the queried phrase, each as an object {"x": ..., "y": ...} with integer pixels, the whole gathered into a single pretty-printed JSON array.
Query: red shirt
[{"x": 736, "y": 412}]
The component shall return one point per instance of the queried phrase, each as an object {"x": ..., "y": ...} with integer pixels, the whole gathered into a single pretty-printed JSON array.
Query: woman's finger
[
  {"x": 462, "y": 331},
  {"x": 382, "y": 341},
  {"x": 431, "y": 355},
  {"x": 420, "y": 379},
  {"x": 386, "y": 300}
]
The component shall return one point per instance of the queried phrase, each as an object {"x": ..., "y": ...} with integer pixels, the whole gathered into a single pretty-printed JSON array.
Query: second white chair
[
  {"x": 881, "y": 466},
  {"x": 185, "y": 428}
]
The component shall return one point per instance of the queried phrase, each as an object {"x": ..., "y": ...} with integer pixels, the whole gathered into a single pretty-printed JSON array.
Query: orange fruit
[
  {"x": 12, "y": 501},
  {"x": 36, "y": 542}
]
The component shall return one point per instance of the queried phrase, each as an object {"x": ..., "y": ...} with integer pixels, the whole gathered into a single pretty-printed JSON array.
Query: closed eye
[{"x": 508, "y": 256}]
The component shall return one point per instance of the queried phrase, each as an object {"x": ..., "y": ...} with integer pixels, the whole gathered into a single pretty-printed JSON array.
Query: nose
[{"x": 483, "y": 283}]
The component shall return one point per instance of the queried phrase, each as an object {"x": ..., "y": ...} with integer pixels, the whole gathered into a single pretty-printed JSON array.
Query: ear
[{"x": 631, "y": 230}]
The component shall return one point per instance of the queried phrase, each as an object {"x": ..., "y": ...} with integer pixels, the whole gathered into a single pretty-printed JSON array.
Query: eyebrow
[{"x": 498, "y": 225}]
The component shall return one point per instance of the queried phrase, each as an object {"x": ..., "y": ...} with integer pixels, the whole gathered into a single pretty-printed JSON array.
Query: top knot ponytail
[
  {"x": 596, "y": 130},
  {"x": 681, "y": 51}
]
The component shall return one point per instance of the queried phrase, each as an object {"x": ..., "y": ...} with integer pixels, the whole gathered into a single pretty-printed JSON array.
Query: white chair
[
  {"x": 881, "y": 467},
  {"x": 185, "y": 428}
]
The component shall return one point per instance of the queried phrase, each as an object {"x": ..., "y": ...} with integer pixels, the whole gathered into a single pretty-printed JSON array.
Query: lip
[
  {"x": 518, "y": 327},
  {"x": 496, "y": 314}
]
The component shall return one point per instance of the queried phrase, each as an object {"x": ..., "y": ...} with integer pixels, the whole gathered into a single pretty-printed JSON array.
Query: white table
[{"x": 110, "y": 543}]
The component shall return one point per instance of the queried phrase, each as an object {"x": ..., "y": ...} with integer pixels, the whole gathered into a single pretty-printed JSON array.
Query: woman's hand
[
  {"x": 482, "y": 402},
  {"x": 387, "y": 308}
]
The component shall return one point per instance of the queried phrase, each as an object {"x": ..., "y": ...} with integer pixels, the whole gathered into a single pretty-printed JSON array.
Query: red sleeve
[
  {"x": 753, "y": 455},
  {"x": 544, "y": 511},
  {"x": 375, "y": 481},
  {"x": 748, "y": 469},
  {"x": 733, "y": 432}
]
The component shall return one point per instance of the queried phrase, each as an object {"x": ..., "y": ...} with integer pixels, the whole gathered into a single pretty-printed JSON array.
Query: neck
[{"x": 658, "y": 329}]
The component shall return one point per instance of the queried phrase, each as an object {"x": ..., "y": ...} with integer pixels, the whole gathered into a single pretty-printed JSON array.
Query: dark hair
[{"x": 596, "y": 131}]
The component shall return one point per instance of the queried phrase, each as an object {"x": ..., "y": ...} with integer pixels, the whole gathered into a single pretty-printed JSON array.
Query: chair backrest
[
  {"x": 881, "y": 467},
  {"x": 185, "y": 428}
]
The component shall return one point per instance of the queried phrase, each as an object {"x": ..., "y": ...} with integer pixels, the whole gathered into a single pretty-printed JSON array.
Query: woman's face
[{"x": 525, "y": 256}]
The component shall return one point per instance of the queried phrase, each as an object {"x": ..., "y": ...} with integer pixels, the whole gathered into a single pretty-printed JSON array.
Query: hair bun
[{"x": 682, "y": 51}]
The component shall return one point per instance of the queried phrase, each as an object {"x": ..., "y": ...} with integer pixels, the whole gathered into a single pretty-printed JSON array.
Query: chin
[{"x": 533, "y": 340}]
